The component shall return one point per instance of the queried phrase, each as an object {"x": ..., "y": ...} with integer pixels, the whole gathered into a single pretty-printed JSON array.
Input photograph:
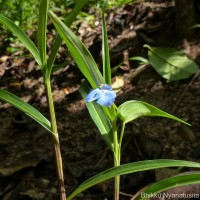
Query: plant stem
[
  {"x": 121, "y": 135},
  {"x": 58, "y": 157},
  {"x": 116, "y": 160}
]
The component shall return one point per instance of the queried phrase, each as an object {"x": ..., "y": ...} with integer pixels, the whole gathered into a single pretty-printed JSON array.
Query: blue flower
[{"x": 103, "y": 95}]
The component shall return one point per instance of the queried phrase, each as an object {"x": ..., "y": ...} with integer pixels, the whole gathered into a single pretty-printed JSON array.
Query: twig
[
  {"x": 183, "y": 94},
  {"x": 125, "y": 194}
]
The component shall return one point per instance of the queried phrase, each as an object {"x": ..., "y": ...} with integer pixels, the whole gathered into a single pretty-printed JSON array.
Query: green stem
[
  {"x": 116, "y": 160},
  {"x": 58, "y": 158},
  {"x": 121, "y": 135}
]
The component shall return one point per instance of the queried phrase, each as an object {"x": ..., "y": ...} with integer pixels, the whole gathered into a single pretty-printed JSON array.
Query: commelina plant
[{"x": 97, "y": 92}]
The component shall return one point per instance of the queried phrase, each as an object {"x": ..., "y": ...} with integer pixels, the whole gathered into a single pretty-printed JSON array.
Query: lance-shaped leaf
[
  {"x": 79, "y": 52},
  {"x": 99, "y": 117},
  {"x": 42, "y": 26},
  {"x": 58, "y": 40},
  {"x": 176, "y": 181},
  {"x": 26, "y": 41},
  {"x": 171, "y": 64},
  {"x": 133, "y": 109},
  {"x": 130, "y": 168},
  {"x": 25, "y": 107},
  {"x": 141, "y": 60},
  {"x": 105, "y": 52}
]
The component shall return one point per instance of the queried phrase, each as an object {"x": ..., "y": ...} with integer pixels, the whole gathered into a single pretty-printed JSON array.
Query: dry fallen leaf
[
  {"x": 34, "y": 194},
  {"x": 118, "y": 84},
  {"x": 27, "y": 161}
]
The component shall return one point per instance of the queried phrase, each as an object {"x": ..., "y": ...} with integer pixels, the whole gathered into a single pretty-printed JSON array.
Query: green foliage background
[
  {"x": 25, "y": 12},
  {"x": 22, "y": 12}
]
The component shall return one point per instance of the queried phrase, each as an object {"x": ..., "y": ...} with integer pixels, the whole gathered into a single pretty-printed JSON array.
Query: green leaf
[
  {"x": 42, "y": 26},
  {"x": 79, "y": 52},
  {"x": 133, "y": 109},
  {"x": 195, "y": 26},
  {"x": 176, "y": 181},
  {"x": 141, "y": 59},
  {"x": 105, "y": 52},
  {"x": 130, "y": 168},
  {"x": 99, "y": 117},
  {"x": 25, "y": 107},
  {"x": 59, "y": 66},
  {"x": 171, "y": 64},
  {"x": 26, "y": 41},
  {"x": 68, "y": 21}
]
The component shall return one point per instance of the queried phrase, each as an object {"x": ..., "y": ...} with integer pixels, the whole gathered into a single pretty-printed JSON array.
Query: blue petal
[
  {"x": 107, "y": 98},
  {"x": 106, "y": 87},
  {"x": 93, "y": 95}
]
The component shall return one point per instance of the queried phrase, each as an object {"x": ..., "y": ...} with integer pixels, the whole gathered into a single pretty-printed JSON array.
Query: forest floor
[{"x": 27, "y": 169}]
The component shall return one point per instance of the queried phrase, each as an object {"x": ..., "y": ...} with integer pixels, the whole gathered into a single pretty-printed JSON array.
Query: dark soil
[{"x": 27, "y": 169}]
